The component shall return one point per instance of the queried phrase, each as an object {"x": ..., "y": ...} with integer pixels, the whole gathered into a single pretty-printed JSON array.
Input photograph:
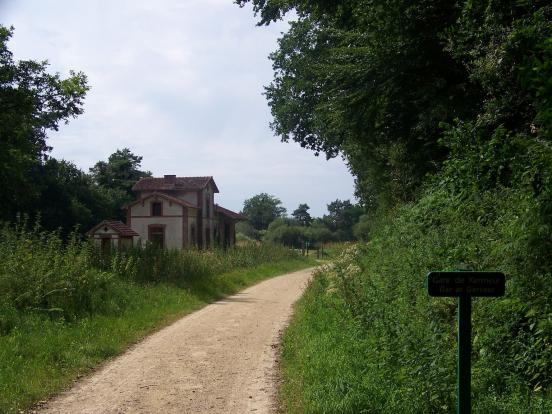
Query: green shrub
[
  {"x": 39, "y": 273},
  {"x": 393, "y": 347},
  {"x": 287, "y": 232},
  {"x": 42, "y": 274}
]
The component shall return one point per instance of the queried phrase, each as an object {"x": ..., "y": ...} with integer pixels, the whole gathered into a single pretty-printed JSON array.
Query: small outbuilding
[{"x": 111, "y": 234}]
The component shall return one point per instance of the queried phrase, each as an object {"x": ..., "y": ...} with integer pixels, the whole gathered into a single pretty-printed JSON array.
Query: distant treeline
[{"x": 267, "y": 221}]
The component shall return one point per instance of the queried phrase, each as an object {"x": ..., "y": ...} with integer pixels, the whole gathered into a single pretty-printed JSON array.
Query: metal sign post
[
  {"x": 463, "y": 375},
  {"x": 464, "y": 285}
]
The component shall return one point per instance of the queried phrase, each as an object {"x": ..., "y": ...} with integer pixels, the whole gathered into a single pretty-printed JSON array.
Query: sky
[{"x": 180, "y": 83}]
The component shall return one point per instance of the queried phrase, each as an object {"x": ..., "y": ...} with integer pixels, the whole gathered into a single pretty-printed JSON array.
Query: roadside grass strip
[{"x": 43, "y": 355}]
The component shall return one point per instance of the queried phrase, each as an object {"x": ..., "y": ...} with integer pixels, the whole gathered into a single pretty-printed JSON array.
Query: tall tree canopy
[
  {"x": 262, "y": 209},
  {"x": 114, "y": 178},
  {"x": 68, "y": 198},
  {"x": 341, "y": 217},
  {"x": 301, "y": 214},
  {"x": 32, "y": 102},
  {"x": 120, "y": 172},
  {"x": 285, "y": 231},
  {"x": 382, "y": 82}
]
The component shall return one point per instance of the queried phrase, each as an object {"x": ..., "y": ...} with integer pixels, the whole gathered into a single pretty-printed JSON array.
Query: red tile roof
[
  {"x": 169, "y": 183},
  {"x": 121, "y": 228},
  {"x": 162, "y": 195},
  {"x": 229, "y": 213}
]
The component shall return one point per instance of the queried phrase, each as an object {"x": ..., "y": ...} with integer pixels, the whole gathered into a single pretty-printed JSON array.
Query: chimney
[{"x": 170, "y": 179}]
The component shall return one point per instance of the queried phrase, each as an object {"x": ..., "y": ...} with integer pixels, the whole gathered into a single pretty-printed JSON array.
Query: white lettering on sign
[{"x": 465, "y": 283}]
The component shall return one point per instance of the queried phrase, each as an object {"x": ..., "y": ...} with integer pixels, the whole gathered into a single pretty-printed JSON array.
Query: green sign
[{"x": 464, "y": 285}]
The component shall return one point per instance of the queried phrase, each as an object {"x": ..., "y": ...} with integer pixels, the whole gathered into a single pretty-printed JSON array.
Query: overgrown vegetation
[
  {"x": 64, "y": 307},
  {"x": 300, "y": 230},
  {"x": 443, "y": 112},
  {"x": 367, "y": 338}
]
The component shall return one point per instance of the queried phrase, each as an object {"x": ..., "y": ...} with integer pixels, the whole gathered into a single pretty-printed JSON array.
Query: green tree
[
  {"x": 262, "y": 209},
  {"x": 68, "y": 198},
  {"x": 245, "y": 228},
  {"x": 343, "y": 215},
  {"x": 381, "y": 82},
  {"x": 301, "y": 214},
  {"x": 32, "y": 102},
  {"x": 372, "y": 80},
  {"x": 120, "y": 172},
  {"x": 363, "y": 228},
  {"x": 319, "y": 233},
  {"x": 286, "y": 231},
  {"x": 283, "y": 222},
  {"x": 535, "y": 76}
]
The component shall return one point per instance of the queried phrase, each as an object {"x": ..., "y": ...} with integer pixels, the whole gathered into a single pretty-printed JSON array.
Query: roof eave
[
  {"x": 107, "y": 223},
  {"x": 212, "y": 180},
  {"x": 167, "y": 197}
]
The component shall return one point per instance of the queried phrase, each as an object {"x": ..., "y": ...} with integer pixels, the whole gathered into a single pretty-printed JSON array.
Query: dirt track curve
[{"x": 220, "y": 359}]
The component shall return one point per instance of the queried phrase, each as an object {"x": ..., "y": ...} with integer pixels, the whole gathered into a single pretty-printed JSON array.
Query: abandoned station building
[{"x": 172, "y": 212}]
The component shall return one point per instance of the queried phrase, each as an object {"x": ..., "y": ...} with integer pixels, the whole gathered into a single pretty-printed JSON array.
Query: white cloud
[{"x": 180, "y": 83}]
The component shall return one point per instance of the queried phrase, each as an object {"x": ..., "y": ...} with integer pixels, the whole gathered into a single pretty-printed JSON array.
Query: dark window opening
[
  {"x": 106, "y": 246},
  {"x": 156, "y": 209},
  {"x": 207, "y": 205},
  {"x": 157, "y": 236}
]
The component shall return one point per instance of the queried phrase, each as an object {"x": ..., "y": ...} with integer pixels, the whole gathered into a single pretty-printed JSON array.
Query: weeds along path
[{"x": 220, "y": 359}]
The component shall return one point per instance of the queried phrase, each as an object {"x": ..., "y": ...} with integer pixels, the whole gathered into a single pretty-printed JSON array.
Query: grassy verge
[
  {"x": 367, "y": 338},
  {"x": 321, "y": 358},
  {"x": 330, "y": 364},
  {"x": 42, "y": 355},
  {"x": 332, "y": 251}
]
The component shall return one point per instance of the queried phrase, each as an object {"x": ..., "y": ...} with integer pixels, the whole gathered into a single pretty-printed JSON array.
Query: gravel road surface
[{"x": 220, "y": 359}]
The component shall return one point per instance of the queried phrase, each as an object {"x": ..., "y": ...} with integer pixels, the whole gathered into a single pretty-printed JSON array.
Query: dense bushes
[
  {"x": 289, "y": 232},
  {"x": 392, "y": 347},
  {"x": 443, "y": 112},
  {"x": 40, "y": 274},
  {"x": 375, "y": 341}
]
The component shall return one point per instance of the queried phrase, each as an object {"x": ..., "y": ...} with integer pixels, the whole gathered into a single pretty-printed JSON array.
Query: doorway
[
  {"x": 157, "y": 236},
  {"x": 106, "y": 246}
]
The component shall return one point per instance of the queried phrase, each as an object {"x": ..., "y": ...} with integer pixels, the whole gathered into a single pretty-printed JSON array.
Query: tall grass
[
  {"x": 368, "y": 338},
  {"x": 151, "y": 264},
  {"x": 42, "y": 274},
  {"x": 64, "y": 307}
]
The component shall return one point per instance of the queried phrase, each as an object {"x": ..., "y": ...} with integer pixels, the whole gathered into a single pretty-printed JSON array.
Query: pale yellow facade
[{"x": 173, "y": 213}]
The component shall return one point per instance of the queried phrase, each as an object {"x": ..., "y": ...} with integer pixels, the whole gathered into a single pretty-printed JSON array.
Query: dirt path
[{"x": 220, "y": 359}]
